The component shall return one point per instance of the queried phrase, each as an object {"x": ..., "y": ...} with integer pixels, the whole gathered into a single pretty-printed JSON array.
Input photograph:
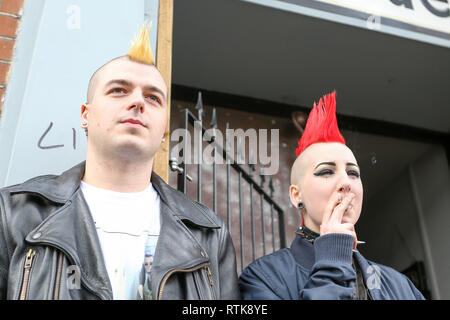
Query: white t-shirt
[{"x": 128, "y": 226}]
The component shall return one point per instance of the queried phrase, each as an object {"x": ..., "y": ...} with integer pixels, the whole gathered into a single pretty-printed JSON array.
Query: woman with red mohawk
[{"x": 323, "y": 261}]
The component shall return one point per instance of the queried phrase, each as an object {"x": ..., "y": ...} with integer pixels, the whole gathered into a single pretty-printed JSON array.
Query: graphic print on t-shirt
[
  {"x": 128, "y": 226},
  {"x": 144, "y": 290}
]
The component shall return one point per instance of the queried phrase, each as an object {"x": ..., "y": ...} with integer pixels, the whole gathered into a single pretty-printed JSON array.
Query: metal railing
[{"x": 243, "y": 176}]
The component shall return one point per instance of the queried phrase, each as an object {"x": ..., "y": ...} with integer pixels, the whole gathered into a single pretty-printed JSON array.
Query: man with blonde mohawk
[{"x": 84, "y": 234}]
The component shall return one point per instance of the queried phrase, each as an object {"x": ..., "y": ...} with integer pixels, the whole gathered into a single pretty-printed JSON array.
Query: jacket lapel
[
  {"x": 177, "y": 249},
  {"x": 71, "y": 227},
  {"x": 72, "y": 230}
]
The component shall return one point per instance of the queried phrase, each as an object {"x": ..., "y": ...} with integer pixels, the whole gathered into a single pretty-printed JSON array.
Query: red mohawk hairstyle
[{"x": 321, "y": 125}]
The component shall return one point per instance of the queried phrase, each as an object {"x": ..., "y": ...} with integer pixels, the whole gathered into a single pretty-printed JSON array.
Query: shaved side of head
[
  {"x": 297, "y": 170},
  {"x": 93, "y": 80}
]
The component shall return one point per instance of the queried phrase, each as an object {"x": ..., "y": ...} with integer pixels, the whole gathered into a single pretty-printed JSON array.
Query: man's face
[
  {"x": 328, "y": 170},
  {"x": 128, "y": 111},
  {"x": 148, "y": 263}
]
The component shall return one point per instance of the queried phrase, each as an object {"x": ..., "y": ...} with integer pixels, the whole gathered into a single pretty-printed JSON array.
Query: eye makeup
[
  {"x": 353, "y": 173},
  {"x": 323, "y": 172},
  {"x": 329, "y": 171}
]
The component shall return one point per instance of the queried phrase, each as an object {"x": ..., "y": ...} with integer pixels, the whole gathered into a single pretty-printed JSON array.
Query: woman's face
[{"x": 327, "y": 171}]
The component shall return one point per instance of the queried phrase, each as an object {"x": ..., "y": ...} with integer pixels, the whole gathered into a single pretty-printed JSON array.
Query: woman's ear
[{"x": 295, "y": 195}]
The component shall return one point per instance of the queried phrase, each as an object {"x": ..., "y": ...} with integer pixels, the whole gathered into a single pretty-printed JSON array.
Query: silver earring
[{"x": 301, "y": 205}]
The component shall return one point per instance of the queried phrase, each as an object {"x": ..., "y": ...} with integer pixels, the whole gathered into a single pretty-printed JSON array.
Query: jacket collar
[
  {"x": 303, "y": 253},
  {"x": 183, "y": 207},
  {"x": 57, "y": 188}
]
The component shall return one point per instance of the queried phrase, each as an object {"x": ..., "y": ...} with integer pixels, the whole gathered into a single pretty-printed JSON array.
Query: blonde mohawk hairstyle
[{"x": 141, "y": 50}]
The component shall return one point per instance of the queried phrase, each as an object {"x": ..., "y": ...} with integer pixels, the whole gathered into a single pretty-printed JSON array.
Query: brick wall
[{"x": 10, "y": 16}]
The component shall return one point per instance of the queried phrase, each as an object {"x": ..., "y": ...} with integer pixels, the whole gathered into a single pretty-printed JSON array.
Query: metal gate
[{"x": 245, "y": 180}]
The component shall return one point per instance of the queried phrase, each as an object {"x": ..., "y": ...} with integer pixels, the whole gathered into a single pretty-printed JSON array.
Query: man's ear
[
  {"x": 84, "y": 115},
  {"x": 295, "y": 195}
]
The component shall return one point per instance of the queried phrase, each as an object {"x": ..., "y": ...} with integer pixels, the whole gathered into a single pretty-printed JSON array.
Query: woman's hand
[{"x": 332, "y": 219}]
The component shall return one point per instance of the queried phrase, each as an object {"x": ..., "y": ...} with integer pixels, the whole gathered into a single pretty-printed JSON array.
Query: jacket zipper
[
  {"x": 72, "y": 261},
  {"x": 58, "y": 276},
  {"x": 163, "y": 283},
  {"x": 211, "y": 283},
  {"x": 26, "y": 274}
]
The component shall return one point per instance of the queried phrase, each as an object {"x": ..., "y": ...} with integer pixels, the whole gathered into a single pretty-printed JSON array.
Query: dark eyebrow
[
  {"x": 352, "y": 164},
  {"x": 127, "y": 83},
  {"x": 334, "y": 164},
  {"x": 325, "y": 163},
  {"x": 119, "y": 81}
]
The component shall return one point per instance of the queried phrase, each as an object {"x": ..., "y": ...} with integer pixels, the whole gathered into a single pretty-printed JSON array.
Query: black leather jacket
[{"x": 49, "y": 248}]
